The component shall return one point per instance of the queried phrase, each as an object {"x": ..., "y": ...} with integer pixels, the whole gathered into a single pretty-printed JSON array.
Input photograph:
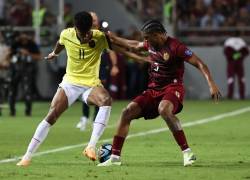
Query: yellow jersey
[{"x": 83, "y": 61}]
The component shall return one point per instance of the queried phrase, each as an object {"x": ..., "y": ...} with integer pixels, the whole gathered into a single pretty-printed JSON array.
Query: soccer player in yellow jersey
[
  {"x": 102, "y": 75},
  {"x": 81, "y": 81}
]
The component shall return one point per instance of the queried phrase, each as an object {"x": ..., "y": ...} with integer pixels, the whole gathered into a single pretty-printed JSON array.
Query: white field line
[{"x": 154, "y": 131}]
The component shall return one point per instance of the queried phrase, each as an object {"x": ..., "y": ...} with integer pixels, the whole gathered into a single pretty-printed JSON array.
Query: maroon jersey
[{"x": 167, "y": 63}]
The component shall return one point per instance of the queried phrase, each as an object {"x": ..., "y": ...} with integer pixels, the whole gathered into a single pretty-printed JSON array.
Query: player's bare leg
[
  {"x": 58, "y": 105},
  {"x": 131, "y": 112},
  {"x": 99, "y": 96},
  {"x": 166, "y": 111}
]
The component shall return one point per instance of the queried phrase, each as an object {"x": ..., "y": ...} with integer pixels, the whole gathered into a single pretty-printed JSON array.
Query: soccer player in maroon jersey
[
  {"x": 165, "y": 92},
  {"x": 235, "y": 50}
]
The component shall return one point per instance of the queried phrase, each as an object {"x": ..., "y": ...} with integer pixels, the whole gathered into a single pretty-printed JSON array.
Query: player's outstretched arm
[
  {"x": 58, "y": 48},
  {"x": 214, "y": 90},
  {"x": 133, "y": 45},
  {"x": 131, "y": 55}
]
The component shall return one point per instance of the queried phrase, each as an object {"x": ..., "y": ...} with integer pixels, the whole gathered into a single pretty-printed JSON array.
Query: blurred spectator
[
  {"x": 146, "y": 9},
  {"x": 2, "y": 12},
  {"x": 235, "y": 50},
  {"x": 43, "y": 17},
  {"x": 168, "y": 8},
  {"x": 68, "y": 16},
  {"x": 117, "y": 85},
  {"x": 244, "y": 17},
  {"x": 131, "y": 5},
  {"x": 248, "y": 6},
  {"x": 212, "y": 19},
  {"x": 4, "y": 64},
  {"x": 217, "y": 11},
  {"x": 24, "y": 54},
  {"x": 20, "y": 13},
  {"x": 230, "y": 22},
  {"x": 133, "y": 70},
  {"x": 152, "y": 8}
]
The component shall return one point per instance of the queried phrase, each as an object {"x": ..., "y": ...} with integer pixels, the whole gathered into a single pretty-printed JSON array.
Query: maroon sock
[
  {"x": 117, "y": 145},
  {"x": 181, "y": 139}
]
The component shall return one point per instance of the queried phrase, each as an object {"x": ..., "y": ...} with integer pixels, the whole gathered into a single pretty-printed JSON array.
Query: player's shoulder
[
  {"x": 174, "y": 43},
  {"x": 97, "y": 33},
  {"x": 68, "y": 32}
]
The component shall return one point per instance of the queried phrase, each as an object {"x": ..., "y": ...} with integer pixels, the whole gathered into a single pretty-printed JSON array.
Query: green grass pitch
[{"x": 222, "y": 146}]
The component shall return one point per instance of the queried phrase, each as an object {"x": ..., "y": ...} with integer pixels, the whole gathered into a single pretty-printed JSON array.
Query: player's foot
[
  {"x": 111, "y": 162},
  {"x": 23, "y": 163},
  {"x": 90, "y": 153},
  {"x": 82, "y": 123},
  {"x": 188, "y": 158},
  {"x": 78, "y": 125}
]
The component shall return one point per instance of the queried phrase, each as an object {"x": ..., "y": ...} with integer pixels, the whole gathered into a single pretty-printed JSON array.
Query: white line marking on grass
[{"x": 154, "y": 131}]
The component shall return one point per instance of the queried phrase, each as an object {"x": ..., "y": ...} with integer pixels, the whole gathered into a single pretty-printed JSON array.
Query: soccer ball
[{"x": 104, "y": 152}]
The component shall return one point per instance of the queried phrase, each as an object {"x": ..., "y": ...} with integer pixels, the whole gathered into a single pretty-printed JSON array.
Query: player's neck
[
  {"x": 162, "y": 43},
  {"x": 82, "y": 39}
]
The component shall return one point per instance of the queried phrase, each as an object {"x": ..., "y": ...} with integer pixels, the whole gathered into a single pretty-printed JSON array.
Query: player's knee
[
  {"x": 106, "y": 101},
  {"x": 127, "y": 114},
  {"x": 165, "y": 111}
]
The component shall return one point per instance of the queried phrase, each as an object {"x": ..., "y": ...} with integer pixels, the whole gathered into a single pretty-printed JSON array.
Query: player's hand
[
  {"x": 215, "y": 92},
  {"x": 111, "y": 36},
  {"x": 114, "y": 71},
  {"x": 51, "y": 55}
]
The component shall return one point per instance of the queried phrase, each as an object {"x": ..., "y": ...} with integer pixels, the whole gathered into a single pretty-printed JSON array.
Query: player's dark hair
[
  {"x": 153, "y": 26},
  {"x": 83, "y": 21}
]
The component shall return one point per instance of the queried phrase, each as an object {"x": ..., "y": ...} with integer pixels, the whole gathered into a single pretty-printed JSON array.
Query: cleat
[
  {"x": 189, "y": 158},
  {"x": 23, "y": 163},
  {"x": 90, "y": 153},
  {"x": 82, "y": 123},
  {"x": 83, "y": 127},
  {"x": 111, "y": 162},
  {"x": 79, "y": 124}
]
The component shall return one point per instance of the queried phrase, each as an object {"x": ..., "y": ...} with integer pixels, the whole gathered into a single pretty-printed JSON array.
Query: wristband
[{"x": 54, "y": 54}]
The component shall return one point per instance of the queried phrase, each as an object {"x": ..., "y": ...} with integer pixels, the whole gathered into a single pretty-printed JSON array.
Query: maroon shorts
[{"x": 150, "y": 99}]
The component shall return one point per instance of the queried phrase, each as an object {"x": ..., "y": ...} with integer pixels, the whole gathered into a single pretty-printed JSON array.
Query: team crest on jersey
[{"x": 166, "y": 56}]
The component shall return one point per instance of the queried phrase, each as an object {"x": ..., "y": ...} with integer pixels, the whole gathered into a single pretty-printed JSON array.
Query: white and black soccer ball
[{"x": 104, "y": 152}]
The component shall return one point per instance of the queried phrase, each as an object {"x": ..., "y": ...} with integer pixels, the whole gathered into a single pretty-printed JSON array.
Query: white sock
[
  {"x": 39, "y": 136},
  {"x": 84, "y": 119},
  {"x": 186, "y": 150},
  {"x": 99, "y": 125},
  {"x": 115, "y": 157}
]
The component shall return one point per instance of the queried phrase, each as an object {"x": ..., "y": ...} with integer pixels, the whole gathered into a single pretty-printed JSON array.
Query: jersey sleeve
[
  {"x": 62, "y": 37},
  {"x": 183, "y": 52}
]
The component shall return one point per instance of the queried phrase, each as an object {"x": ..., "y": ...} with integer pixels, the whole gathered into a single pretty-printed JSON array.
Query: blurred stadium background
[
  {"x": 186, "y": 19},
  {"x": 203, "y": 25}
]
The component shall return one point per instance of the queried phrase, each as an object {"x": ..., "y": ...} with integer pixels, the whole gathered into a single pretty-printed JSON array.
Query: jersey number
[
  {"x": 156, "y": 69},
  {"x": 81, "y": 53}
]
